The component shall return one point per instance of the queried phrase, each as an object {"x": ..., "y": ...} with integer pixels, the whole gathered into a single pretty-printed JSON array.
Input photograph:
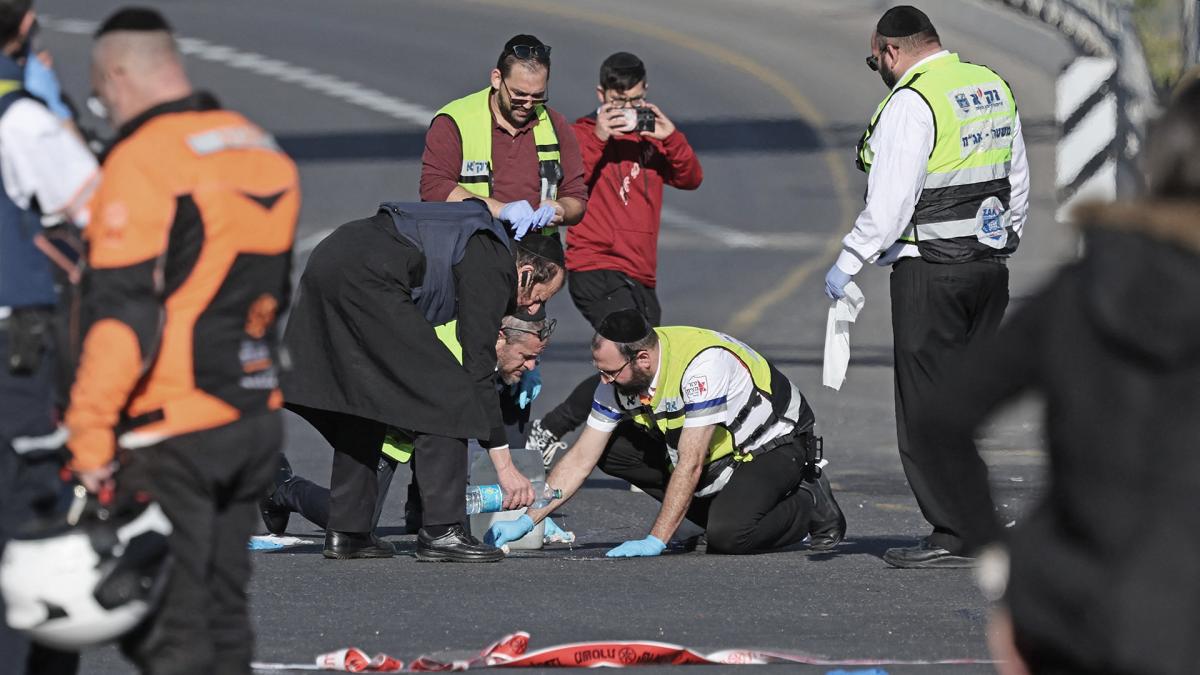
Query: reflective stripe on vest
[
  {"x": 26, "y": 274},
  {"x": 773, "y": 400},
  {"x": 962, "y": 213}
]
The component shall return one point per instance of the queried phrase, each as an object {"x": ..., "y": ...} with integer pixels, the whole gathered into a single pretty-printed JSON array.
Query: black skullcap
[
  {"x": 903, "y": 21},
  {"x": 624, "y": 326},
  {"x": 543, "y": 246},
  {"x": 623, "y": 61},
  {"x": 135, "y": 19}
]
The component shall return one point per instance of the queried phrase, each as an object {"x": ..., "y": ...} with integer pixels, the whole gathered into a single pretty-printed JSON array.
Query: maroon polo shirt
[{"x": 514, "y": 162}]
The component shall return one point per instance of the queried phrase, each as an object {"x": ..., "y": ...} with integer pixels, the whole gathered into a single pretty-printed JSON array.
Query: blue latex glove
[
  {"x": 554, "y": 533},
  {"x": 543, "y": 216},
  {"x": 528, "y": 387},
  {"x": 642, "y": 548},
  {"x": 508, "y": 530},
  {"x": 41, "y": 81},
  {"x": 519, "y": 214},
  {"x": 835, "y": 283}
]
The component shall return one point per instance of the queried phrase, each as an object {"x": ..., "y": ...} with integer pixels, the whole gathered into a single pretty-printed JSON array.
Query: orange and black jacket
[{"x": 189, "y": 256}]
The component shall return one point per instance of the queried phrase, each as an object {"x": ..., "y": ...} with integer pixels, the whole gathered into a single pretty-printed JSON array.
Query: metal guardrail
[{"x": 1102, "y": 31}]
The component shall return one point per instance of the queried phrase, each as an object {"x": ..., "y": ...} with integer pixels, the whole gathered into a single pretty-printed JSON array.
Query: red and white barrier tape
[{"x": 512, "y": 652}]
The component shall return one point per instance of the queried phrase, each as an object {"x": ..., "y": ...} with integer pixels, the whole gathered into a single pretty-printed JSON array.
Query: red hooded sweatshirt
[{"x": 625, "y": 178}]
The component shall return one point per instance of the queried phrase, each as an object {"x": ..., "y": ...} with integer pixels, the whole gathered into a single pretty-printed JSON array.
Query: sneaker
[
  {"x": 544, "y": 441},
  {"x": 827, "y": 527},
  {"x": 275, "y": 513}
]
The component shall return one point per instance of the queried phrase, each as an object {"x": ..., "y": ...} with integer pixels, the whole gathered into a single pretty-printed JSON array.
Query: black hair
[
  {"x": 134, "y": 19},
  {"x": 12, "y": 13},
  {"x": 539, "y": 57},
  {"x": 622, "y": 71}
]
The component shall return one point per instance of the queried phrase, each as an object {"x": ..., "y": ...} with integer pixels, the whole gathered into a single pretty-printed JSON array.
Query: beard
[
  {"x": 638, "y": 383},
  {"x": 507, "y": 111},
  {"x": 887, "y": 75}
]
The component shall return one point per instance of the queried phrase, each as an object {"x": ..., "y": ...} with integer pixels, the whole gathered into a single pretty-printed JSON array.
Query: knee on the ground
[{"x": 728, "y": 538}]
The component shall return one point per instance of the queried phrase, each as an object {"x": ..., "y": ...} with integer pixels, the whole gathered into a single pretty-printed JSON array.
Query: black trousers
[
  {"x": 354, "y": 496},
  {"x": 310, "y": 500},
  {"x": 597, "y": 294},
  {"x": 938, "y": 311},
  {"x": 209, "y": 484},
  {"x": 760, "y": 508}
]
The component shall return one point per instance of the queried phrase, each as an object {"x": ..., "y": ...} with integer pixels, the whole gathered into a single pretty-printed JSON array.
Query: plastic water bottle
[{"x": 490, "y": 498}]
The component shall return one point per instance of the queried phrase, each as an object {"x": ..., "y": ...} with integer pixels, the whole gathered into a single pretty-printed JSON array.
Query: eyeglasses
[
  {"x": 544, "y": 334},
  {"x": 522, "y": 101},
  {"x": 613, "y": 374},
  {"x": 631, "y": 102},
  {"x": 873, "y": 63},
  {"x": 530, "y": 51}
]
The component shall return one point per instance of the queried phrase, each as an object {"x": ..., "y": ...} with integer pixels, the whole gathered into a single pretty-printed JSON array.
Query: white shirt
[
  {"x": 901, "y": 142},
  {"x": 41, "y": 158}
]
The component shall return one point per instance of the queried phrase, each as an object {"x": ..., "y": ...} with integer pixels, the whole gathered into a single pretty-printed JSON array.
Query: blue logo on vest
[{"x": 992, "y": 225}]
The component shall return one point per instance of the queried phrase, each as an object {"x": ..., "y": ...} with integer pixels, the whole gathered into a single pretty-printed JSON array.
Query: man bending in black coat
[{"x": 365, "y": 357}]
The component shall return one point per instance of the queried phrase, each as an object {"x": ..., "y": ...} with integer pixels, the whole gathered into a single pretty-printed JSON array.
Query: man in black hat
[
  {"x": 947, "y": 195},
  {"x": 707, "y": 426},
  {"x": 366, "y": 357}
]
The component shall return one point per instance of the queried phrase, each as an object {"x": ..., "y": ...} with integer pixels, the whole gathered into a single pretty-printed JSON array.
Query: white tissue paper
[{"x": 842, "y": 313}]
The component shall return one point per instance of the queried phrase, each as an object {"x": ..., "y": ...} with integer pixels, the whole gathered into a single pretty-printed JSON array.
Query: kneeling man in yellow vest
[{"x": 707, "y": 426}]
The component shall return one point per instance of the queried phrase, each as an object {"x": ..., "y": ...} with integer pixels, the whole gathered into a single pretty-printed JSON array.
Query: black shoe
[
  {"x": 926, "y": 556},
  {"x": 347, "y": 545},
  {"x": 455, "y": 546},
  {"x": 275, "y": 513},
  {"x": 827, "y": 527}
]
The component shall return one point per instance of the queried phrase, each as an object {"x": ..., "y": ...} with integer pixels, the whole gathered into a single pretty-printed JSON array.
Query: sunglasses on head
[
  {"x": 530, "y": 51},
  {"x": 543, "y": 334}
]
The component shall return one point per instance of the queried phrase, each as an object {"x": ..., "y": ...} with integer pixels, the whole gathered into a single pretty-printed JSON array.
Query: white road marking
[
  {"x": 681, "y": 228},
  {"x": 347, "y": 91}
]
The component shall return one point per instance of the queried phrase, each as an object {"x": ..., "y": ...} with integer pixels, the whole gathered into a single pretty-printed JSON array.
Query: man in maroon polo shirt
[
  {"x": 526, "y": 181},
  {"x": 612, "y": 258}
]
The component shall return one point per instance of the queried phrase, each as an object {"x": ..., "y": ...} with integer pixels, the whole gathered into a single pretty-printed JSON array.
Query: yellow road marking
[{"x": 752, "y": 313}]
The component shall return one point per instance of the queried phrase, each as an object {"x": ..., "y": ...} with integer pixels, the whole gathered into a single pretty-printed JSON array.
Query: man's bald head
[{"x": 136, "y": 64}]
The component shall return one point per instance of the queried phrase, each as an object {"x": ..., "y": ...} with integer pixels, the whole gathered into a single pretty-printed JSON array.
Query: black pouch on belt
[{"x": 28, "y": 335}]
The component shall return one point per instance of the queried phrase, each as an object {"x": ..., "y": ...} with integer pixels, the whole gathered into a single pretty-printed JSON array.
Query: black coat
[
  {"x": 358, "y": 345},
  {"x": 1105, "y": 573}
]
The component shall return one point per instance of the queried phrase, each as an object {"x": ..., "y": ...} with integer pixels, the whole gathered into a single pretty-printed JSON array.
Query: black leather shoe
[
  {"x": 926, "y": 556},
  {"x": 827, "y": 527},
  {"x": 348, "y": 545},
  {"x": 455, "y": 546},
  {"x": 275, "y": 513}
]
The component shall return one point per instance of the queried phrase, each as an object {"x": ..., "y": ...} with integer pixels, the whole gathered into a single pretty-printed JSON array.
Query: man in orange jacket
[{"x": 189, "y": 262}]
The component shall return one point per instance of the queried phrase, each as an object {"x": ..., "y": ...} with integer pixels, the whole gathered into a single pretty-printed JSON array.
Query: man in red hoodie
[{"x": 630, "y": 150}]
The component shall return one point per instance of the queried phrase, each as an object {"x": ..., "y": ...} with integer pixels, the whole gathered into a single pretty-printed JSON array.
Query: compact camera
[{"x": 638, "y": 119}]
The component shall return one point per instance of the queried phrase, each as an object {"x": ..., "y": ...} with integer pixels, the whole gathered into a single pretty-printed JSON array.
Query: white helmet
[{"x": 85, "y": 581}]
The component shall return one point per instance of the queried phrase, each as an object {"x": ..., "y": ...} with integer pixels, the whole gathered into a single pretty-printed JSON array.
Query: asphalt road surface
[{"x": 773, "y": 95}]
